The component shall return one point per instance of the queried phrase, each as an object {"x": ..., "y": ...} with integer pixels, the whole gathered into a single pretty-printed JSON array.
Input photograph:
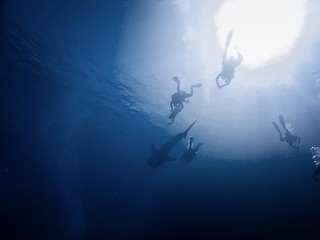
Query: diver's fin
[
  {"x": 223, "y": 84},
  {"x": 283, "y": 123},
  {"x": 228, "y": 40},
  {"x": 188, "y": 129},
  {"x": 277, "y": 128},
  {"x": 153, "y": 148},
  {"x": 171, "y": 158}
]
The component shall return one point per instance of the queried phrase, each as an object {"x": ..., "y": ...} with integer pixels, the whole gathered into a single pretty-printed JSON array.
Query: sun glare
[{"x": 264, "y": 30}]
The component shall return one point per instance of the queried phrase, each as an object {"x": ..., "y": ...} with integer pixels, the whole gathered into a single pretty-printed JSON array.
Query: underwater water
[{"x": 85, "y": 90}]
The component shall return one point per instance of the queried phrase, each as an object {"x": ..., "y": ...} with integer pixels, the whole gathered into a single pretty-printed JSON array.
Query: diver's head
[
  {"x": 176, "y": 78},
  {"x": 191, "y": 139}
]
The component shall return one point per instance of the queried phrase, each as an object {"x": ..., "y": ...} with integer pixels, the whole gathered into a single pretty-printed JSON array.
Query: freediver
[
  {"x": 316, "y": 159},
  {"x": 190, "y": 153},
  {"x": 228, "y": 64},
  {"x": 179, "y": 97},
  {"x": 289, "y": 137}
]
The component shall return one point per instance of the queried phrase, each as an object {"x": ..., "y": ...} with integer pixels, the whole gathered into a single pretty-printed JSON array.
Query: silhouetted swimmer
[
  {"x": 178, "y": 98},
  {"x": 316, "y": 159},
  {"x": 289, "y": 137},
  {"x": 190, "y": 153},
  {"x": 228, "y": 64},
  {"x": 159, "y": 156}
]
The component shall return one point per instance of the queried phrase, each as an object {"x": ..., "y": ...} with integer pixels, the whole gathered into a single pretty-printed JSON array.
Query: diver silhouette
[
  {"x": 289, "y": 137},
  {"x": 228, "y": 64},
  {"x": 316, "y": 159},
  {"x": 178, "y": 98},
  {"x": 190, "y": 153},
  {"x": 161, "y": 155}
]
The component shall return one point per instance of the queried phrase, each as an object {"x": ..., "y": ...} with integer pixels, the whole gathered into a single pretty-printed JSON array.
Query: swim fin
[
  {"x": 283, "y": 123},
  {"x": 228, "y": 40}
]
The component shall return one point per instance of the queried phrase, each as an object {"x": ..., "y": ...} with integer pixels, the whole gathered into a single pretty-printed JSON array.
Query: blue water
[{"x": 74, "y": 146}]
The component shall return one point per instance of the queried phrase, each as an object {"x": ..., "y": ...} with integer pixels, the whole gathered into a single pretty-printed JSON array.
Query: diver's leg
[
  {"x": 283, "y": 123},
  {"x": 172, "y": 120},
  {"x": 181, "y": 107},
  {"x": 297, "y": 139},
  {"x": 228, "y": 39},
  {"x": 217, "y": 79},
  {"x": 291, "y": 144},
  {"x": 175, "y": 111},
  {"x": 171, "y": 116}
]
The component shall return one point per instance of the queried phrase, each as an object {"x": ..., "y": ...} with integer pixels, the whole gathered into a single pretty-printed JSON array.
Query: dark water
[{"x": 73, "y": 153}]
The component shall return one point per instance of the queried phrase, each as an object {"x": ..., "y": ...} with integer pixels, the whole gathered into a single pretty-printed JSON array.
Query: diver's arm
[
  {"x": 298, "y": 142},
  {"x": 178, "y": 86},
  {"x": 196, "y": 149},
  {"x": 171, "y": 103}
]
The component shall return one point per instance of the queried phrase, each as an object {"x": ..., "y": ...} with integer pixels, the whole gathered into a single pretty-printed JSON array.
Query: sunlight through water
[
  {"x": 263, "y": 30},
  {"x": 185, "y": 38}
]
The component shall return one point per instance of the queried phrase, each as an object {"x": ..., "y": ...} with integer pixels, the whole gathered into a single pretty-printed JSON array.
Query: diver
[
  {"x": 228, "y": 64},
  {"x": 289, "y": 137},
  {"x": 161, "y": 155},
  {"x": 178, "y": 98},
  {"x": 316, "y": 159},
  {"x": 190, "y": 153}
]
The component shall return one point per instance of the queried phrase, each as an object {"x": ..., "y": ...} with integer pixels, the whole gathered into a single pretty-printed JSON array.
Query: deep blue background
[{"x": 73, "y": 159}]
